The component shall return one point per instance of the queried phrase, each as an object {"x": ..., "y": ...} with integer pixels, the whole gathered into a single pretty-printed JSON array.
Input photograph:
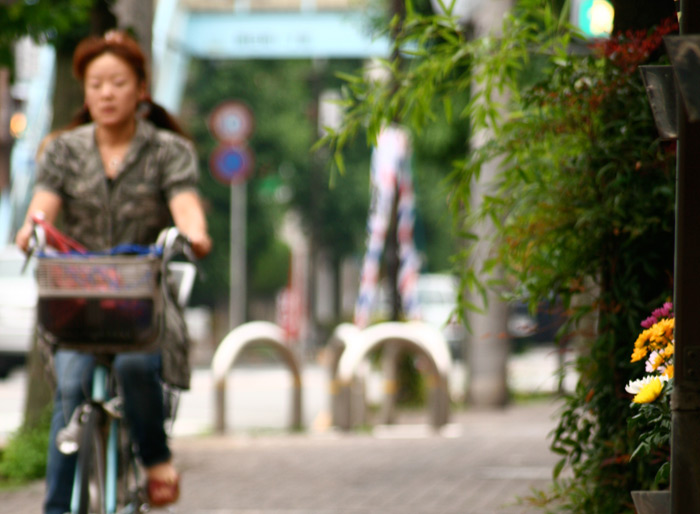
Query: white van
[
  {"x": 437, "y": 298},
  {"x": 18, "y": 300}
]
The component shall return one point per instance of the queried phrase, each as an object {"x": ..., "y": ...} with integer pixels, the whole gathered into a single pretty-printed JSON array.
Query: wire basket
[{"x": 100, "y": 301}]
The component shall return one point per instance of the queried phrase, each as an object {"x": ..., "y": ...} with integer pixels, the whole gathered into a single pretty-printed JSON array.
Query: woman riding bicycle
[{"x": 120, "y": 173}]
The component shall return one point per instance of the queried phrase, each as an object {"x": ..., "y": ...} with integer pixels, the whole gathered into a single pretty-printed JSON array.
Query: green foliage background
[{"x": 42, "y": 20}]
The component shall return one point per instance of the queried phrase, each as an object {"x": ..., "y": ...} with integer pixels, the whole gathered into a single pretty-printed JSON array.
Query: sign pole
[
  {"x": 231, "y": 123},
  {"x": 237, "y": 281}
]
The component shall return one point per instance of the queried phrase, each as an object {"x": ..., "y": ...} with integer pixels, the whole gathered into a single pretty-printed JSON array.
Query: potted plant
[{"x": 652, "y": 405}]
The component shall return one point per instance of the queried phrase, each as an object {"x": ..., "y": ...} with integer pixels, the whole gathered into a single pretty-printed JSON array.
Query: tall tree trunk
[
  {"x": 5, "y": 136},
  {"x": 68, "y": 96},
  {"x": 137, "y": 16},
  {"x": 39, "y": 386},
  {"x": 488, "y": 345}
]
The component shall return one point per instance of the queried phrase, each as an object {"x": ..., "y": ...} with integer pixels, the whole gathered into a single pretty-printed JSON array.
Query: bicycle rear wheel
[{"x": 91, "y": 464}]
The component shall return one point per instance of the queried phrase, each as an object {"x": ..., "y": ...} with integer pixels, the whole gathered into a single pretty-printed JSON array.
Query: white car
[
  {"x": 437, "y": 298},
  {"x": 18, "y": 299}
]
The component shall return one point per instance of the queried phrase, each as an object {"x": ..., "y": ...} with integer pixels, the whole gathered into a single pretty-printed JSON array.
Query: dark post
[
  {"x": 685, "y": 404},
  {"x": 398, "y": 8}
]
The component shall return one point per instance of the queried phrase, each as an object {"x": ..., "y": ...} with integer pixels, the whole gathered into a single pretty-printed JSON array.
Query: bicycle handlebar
[{"x": 174, "y": 243}]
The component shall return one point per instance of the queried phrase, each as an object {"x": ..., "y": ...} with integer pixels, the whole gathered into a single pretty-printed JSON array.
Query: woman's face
[{"x": 112, "y": 91}]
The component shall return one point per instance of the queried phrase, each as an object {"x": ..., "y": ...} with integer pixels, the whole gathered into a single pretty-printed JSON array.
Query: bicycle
[{"x": 106, "y": 304}]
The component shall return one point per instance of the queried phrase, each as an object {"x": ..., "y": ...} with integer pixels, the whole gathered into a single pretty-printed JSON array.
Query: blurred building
[{"x": 30, "y": 119}]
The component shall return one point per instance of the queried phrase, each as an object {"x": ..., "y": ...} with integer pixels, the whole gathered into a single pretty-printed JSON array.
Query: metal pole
[
  {"x": 237, "y": 280},
  {"x": 685, "y": 402}
]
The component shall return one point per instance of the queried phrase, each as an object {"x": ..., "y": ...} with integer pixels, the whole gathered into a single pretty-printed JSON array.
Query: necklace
[{"x": 114, "y": 163}]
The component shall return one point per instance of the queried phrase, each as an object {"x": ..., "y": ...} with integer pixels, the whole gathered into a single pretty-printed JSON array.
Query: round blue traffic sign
[{"x": 231, "y": 164}]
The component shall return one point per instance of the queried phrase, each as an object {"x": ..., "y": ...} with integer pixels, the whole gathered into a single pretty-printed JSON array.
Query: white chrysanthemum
[{"x": 634, "y": 386}]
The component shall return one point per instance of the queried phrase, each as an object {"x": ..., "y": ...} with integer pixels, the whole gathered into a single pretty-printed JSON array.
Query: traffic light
[{"x": 593, "y": 17}]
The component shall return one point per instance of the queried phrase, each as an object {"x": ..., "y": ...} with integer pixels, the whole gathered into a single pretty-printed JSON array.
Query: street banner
[{"x": 390, "y": 175}]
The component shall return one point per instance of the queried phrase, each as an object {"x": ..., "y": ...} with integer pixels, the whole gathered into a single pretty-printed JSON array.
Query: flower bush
[{"x": 651, "y": 422}]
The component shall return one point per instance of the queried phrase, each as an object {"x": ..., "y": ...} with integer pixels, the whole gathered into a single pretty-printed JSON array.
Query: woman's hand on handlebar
[
  {"x": 24, "y": 235},
  {"x": 189, "y": 218},
  {"x": 45, "y": 204},
  {"x": 174, "y": 242},
  {"x": 200, "y": 243}
]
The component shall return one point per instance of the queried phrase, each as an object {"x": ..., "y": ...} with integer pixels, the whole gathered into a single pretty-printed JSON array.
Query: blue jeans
[{"x": 139, "y": 376}]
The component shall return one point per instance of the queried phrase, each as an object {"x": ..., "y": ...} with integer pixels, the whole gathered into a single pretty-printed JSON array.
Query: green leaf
[{"x": 558, "y": 468}]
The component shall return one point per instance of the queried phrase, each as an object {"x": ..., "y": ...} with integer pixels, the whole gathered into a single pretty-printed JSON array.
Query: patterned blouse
[{"x": 131, "y": 208}]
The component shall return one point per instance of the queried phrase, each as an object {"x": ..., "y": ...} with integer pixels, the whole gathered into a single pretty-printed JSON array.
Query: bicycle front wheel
[
  {"x": 131, "y": 492},
  {"x": 91, "y": 464}
]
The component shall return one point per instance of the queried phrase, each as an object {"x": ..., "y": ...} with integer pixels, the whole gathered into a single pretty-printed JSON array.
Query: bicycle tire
[{"x": 91, "y": 463}]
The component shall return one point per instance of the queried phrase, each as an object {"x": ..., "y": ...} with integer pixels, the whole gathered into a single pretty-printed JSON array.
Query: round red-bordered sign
[
  {"x": 231, "y": 122},
  {"x": 231, "y": 164}
]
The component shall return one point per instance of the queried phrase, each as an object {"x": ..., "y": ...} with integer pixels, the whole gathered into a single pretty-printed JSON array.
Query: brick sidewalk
[{"x": 481, "y": 464}]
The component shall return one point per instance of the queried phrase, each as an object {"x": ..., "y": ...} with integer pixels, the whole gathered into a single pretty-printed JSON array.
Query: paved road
[{"x": 480, "y": 463}]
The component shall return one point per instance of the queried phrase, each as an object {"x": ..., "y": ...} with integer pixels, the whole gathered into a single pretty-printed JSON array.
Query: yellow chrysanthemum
[
  {"x": 642, "y": 338},
  {"x": 662, "y": 332},
  {"x": 669, "y": 324},
  {"x": 638, "y": 354},
  {"x": 669, "y": 371},
  {"x": 649, "y": 391},
  {"x": 656, "y": 337}
]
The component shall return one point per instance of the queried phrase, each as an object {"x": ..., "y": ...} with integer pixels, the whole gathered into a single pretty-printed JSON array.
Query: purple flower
[
  {"x": 649, "y": 322},
  {"x": 668, "y": 306},
  {"x": 665, "y": 311}
]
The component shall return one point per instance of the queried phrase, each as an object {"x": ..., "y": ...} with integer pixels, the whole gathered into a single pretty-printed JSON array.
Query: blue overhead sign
[
  {"x": 255, "y": 35},
  {"x": 181, "y": 31}
]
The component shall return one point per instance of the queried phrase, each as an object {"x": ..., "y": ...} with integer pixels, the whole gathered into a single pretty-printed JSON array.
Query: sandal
[{"x": 162, "y": 493}]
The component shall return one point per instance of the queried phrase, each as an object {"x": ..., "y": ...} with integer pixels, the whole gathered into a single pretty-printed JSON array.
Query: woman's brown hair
[{"x": 120, "y": 44}]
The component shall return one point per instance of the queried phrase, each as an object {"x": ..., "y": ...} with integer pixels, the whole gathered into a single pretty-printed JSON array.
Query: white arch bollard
[
  {"x": 344, "y": 336},
  {"x": 240, "y": 338},
  {"x": 418, "y": 335}
]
